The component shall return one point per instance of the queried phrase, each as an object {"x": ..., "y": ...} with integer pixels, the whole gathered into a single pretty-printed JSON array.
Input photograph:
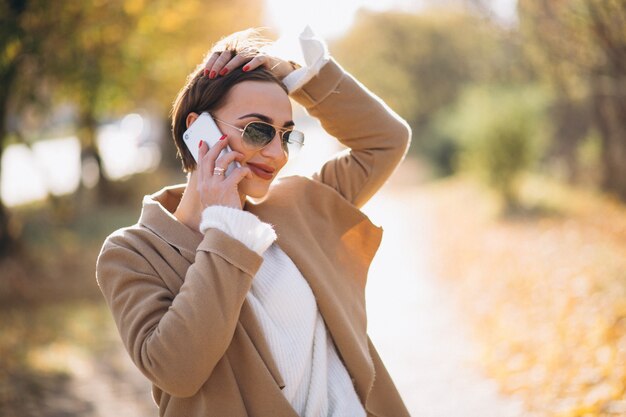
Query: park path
[
  {"x": 413, "y": 322},
  {"x": 419, "y": 334}
]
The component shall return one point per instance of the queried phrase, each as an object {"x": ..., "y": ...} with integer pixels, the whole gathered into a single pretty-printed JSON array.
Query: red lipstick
[{"x": 263, "y": 171}]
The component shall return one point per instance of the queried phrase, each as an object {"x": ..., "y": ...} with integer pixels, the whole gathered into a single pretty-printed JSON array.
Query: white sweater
[{"x": 317, "y": 383}]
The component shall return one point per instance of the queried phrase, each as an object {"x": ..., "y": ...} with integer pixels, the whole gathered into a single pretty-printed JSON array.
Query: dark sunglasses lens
[{"x": 259, "y": 134}]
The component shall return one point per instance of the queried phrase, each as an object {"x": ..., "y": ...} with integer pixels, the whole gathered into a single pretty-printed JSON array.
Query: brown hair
[{"x": 202, "y": 94}]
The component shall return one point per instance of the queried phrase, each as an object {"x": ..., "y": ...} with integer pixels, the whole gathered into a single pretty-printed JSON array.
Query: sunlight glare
[
  {"x": 328, "y": 18},
  {"x": 332, "y": 18}
]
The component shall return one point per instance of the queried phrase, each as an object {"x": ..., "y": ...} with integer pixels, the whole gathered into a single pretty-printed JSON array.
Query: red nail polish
[
  {"x": 224, "y": 71},
  {"x": 206, "y": 72},
  {"x": 246, "y": 68},
  {"x": 212, "y": 75},
  {"x": 200, "y": 144},
  {"x": 223, "y": 137}
]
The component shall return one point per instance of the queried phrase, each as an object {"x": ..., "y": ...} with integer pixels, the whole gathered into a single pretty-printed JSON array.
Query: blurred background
[{"x": 500, "y": 286}]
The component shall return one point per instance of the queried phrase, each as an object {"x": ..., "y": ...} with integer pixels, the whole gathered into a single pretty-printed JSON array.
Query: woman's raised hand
[
  {"x": 221, "y": 63},
  {"x": 213, "y": 186}
]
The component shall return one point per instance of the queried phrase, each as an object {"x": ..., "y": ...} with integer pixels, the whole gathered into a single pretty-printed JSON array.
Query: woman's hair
[{"x": 201, "y": 94}]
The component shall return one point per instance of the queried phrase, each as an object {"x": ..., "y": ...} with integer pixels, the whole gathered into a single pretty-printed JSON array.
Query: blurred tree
[
  {"x": 17, "y": 46},
  {"x": 104, "y": 57},
  {"x": 85, "y": 58},
  {"x": 419, "y": 63},
  {"x": 109, "y": 56},
  {"x": 500, "y": 132},
  {"x": 580, "y": 45}
]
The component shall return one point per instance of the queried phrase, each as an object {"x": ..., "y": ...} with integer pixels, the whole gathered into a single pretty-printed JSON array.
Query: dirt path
[
  {"x": 112, "y": 386},
  {"x": 418, "y": 332}
]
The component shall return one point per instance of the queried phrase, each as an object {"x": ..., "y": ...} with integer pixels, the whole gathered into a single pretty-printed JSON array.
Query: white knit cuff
[
  {"x": 313, "y": 55},
  {"x": 241, "y": 225}
]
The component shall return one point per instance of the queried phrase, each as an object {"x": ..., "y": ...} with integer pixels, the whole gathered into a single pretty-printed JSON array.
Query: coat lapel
[{"x": 332, "y": 243}]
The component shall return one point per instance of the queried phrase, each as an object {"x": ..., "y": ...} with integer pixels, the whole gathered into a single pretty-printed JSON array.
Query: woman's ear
[{"x": 191, "y": 117}]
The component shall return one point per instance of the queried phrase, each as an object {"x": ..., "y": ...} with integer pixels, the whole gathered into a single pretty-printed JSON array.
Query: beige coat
[{"x": 179, "y": 299}]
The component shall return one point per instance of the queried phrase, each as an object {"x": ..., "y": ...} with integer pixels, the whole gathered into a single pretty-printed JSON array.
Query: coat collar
[{"x": 157, "y": 215}]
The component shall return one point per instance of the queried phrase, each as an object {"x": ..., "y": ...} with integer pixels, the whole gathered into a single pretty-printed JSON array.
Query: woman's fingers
[
  {"x": 209, "y": 65},
  {"x": 209, "y": 155},
  {"x": 221, "y": 63},
  {"x": 260, "y": 60},
  {"x": 225, "y": 160},
  {"x": 237, "y": 176},
  {"x": 236, "y": 62},
  {"x": 216, "y": 63},
  {"x": 213, "y": 186},
  {"x": 279, "y": 67},
  {"x": 202, "y": 150}
]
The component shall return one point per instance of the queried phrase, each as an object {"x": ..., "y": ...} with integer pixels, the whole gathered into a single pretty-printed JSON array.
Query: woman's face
[{"x": 251, "y": 101}]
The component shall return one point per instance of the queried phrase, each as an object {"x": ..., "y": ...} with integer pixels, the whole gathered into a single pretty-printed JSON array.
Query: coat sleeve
[
  {"x": 176, "y": 339},
  {"x": 377, "y": 138}
]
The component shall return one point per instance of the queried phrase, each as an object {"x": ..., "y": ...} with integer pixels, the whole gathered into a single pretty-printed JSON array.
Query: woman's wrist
[
  {"x": 238, "y": 224},
  {"x": 283, "y": 68}
]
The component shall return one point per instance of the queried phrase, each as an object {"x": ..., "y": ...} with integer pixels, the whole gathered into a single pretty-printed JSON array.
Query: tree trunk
[
  {"x": 610, "y": 119},
  {"x": 89, "y": 150},
  {"x": 571, "y": 121},
  {"x": 7, "y": 238}
]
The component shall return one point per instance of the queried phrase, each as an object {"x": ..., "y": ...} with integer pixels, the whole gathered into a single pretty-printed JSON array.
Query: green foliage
[
  {"x": 499, "y": 132},
  {"x": 419, "y": 64},
  {"x": 105, "y": 57}
]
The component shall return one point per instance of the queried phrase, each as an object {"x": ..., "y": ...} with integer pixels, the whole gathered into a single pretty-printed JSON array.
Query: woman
[{"x": 242, "y": 295}]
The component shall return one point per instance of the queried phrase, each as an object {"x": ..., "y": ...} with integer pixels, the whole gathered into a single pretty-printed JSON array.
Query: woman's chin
[{"x": 254, "y": 188}]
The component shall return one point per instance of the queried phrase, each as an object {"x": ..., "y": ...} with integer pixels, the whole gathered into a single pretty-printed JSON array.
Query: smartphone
[{"x": 205, "y": 129}]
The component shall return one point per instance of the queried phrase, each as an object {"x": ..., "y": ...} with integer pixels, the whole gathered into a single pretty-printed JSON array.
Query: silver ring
[{"x": 218, "y": 171}]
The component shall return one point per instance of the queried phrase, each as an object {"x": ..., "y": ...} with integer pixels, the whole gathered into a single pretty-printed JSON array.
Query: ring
[{"x": 218, "y": 171}]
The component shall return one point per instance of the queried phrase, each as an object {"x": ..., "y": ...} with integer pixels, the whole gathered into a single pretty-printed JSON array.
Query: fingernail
[
  {"x": 223, "y": 137},
  {"x": 212, "y": 74},
  {"x": 224, "y": 71},
  {"x": 206, "y": 72},
  {"x": 246, "y": 68},
  {"x": 200, "y": 144}
]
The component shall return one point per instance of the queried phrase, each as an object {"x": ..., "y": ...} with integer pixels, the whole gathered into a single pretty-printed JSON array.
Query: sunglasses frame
[{"x": 277, "y": 129}]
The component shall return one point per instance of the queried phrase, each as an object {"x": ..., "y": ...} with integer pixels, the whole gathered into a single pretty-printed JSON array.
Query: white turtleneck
[{"x": 316, "y": 381}]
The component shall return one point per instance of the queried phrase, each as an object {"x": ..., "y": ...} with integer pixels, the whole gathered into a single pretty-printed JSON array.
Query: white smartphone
[{"x": 205, "y": 129}]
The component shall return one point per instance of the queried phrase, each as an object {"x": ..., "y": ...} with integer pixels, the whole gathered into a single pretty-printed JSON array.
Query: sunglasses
[{"x": 258, "y": 135}]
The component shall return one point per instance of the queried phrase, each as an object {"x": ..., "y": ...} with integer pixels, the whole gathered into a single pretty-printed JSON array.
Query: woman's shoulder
[
  {"x": 128, "y": 245},
  {"x": 156, "y": 228},
  {"x": 129, "y": 237},
  {"x": 139, "y": 251}
]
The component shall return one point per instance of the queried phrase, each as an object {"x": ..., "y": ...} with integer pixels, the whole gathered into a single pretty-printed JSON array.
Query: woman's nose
[{"x": 275, "y": 148}]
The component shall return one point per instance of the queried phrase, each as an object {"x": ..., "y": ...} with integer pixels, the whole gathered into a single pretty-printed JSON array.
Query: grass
[{"x": 545, "y": 289}]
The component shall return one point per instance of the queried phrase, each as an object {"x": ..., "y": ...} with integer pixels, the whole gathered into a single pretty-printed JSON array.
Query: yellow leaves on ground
[{"x": 546, "y": 291}]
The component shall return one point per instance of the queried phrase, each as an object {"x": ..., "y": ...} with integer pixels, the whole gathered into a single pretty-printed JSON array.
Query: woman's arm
[
  {"x": 176, "y": 339},
  {"x": 376, "y": 137}
]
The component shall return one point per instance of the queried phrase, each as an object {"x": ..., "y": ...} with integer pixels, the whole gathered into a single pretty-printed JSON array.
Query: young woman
[{"x": 241, "y": 295}]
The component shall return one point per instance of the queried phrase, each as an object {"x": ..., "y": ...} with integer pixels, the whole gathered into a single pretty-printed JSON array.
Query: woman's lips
[{"x": 262, "y": 171}]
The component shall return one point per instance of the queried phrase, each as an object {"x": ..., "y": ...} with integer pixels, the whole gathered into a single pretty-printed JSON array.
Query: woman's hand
[
  {"x": 213, "y": 187},
  {"x": 221, "y": 63}
]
